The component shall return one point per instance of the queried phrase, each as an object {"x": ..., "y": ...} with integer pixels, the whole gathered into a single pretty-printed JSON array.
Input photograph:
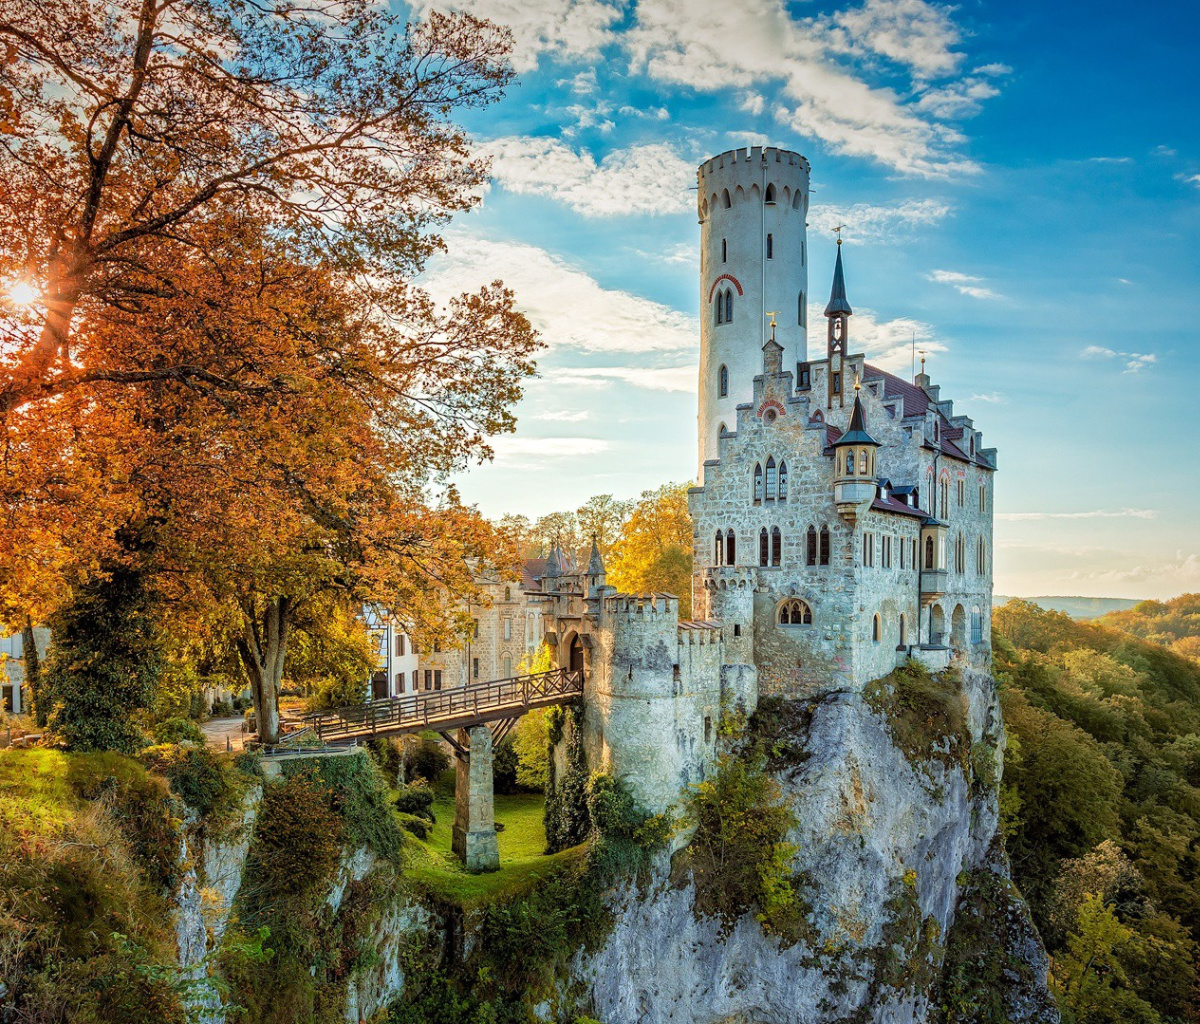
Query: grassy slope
[{"x": 522, "y": 858}]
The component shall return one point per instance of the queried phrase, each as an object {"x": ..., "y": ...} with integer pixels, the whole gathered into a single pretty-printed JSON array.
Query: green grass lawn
[{"x": 522, "y": 857}]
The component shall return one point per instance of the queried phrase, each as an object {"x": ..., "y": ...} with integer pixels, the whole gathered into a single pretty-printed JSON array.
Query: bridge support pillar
[{"x": 474, "y": 838}]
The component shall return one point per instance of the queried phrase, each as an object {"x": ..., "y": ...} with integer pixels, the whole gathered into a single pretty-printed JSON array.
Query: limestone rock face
[{"x": 883, "y": 843}]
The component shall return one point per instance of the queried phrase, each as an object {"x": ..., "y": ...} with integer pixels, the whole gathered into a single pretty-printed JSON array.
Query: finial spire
[
  {"x": 595, "y": 563},
  {"x": 838, "y": 303}
]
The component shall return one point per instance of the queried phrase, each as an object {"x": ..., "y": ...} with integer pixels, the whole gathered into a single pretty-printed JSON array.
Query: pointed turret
[
  {"x": 854, "y": 464},
  {"x": 838, "y": 314},
  {"x": 595, "y": 563},
  {"x": 553, "y": 564},
  {"x": 838, "y": 303}
]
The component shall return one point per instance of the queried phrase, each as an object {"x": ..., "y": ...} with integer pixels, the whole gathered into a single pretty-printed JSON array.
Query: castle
[{"x": 842, "y": 518}]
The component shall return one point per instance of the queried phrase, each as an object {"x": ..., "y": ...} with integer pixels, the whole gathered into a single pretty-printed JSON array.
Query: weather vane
[
  {"x": 838, "y": 230},
  {"x": 772, "y": 313}
]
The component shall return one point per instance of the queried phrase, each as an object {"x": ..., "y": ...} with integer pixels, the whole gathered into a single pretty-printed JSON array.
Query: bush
[
  {"x": 240, "y": 704},
  {"x": 416, "y": 799},
  {"x": 414, "y": 824},
  {"x": 504, "y": 767},
  {"x": 388, "y": 754},
  {"x": 222, "y": 709},
  {"x": 739, "y": 856},
  {"x": 206, "y": 781},
  {"x": 425, "y": 759},
  {"x": 926, "y": 714},
  {"x": 179, "y": 730}
]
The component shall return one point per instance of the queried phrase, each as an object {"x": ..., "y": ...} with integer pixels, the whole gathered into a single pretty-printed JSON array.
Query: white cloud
[
  {"x": 1183, "y": 572},
  {"x": 640, "y": 179},
  {"x": 562, "y": 417},
  {"x": 967, "y": 284},
  {"x": 1192, "y": 179},
  {"x": 994, "y": 398},
  {"x": 960, "y": 99},
  {"x": 560, "y": 28},
  {"x": 680, "y": 254},
  {"x": 888, "y": 344},
  {"x": 712, "y": 44},
  {"x": 910, "y": 32},
  {"x": 993, "y": 70},
  {"x": 514, "y": 452},
  {"x": 1125, "y": 513},
  {"x": 866, "y": 222},
  {"x": 1110, "y": 159},
  {"x": 1135, "y": 362},
  {"x": 652, "y": 113},
  {"x": 569, "y": 307},
  {"x": 672, "y": 378}
]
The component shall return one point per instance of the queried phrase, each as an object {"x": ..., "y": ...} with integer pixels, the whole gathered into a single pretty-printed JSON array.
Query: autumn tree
[{"x": 653, "y": 550}]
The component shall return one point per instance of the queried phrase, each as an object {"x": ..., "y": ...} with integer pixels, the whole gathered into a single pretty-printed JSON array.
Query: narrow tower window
[
  {"x": 723, "y": 381},
  {"x": 824, "y": 545},
  {"x": 876, "y": 629},
  {"x": 783, "y": 481},
  {"x": 776, "y": 545},
  {"x": 849, "y": 462},
  {"x": 771, "y": 478},
  {"x": 800, "y": 310},
  {"x": 763, "y": 544},
  {"x": 770, "y": 199},
  {"x": 730, "y": 548},
  {"x": 810, "y": 546},
  {"x": 725, "y": 201},
  {"x": 719, "y": 550},
  {"x": 724, "y": 250},
  {"x": 928, "y": 552},
  {"x": 902, "y": 631},
  {"x": 758, "y": 483},
  {"x": 720, "y": 311},
  {"x": 770, "y": 247},
  {"x": 728, "y": 305}
]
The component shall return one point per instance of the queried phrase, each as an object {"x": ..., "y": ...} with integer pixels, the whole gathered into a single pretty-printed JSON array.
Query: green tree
[{"x": 104, "y": 662}]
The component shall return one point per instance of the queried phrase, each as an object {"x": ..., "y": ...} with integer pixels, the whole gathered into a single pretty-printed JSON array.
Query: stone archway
[
  {"x": 937, "y": 625},
  {"x": 958, "y": 629},
  {"x": 572, "y": 657}
]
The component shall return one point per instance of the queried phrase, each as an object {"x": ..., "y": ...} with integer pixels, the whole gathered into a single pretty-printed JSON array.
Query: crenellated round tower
[{"x": 752, "y": 205}]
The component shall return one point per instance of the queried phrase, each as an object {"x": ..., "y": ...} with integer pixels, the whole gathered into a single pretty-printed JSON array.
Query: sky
[{"x": 1020, "y": 185}]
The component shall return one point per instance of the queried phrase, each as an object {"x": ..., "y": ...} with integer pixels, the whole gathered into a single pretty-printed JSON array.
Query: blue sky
[{"x": 1021, "y": 188}]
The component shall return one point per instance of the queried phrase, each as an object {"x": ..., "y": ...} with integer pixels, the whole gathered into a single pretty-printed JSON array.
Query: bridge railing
[{"x": 434, "y": 709}]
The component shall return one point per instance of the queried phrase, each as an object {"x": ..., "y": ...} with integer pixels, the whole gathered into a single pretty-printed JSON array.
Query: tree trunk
[
  {"x": 33, "y": 674},
  {"x": 263, "y": 650}
]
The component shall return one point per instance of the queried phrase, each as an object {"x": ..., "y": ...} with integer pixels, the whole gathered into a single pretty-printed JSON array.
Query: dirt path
[{"x": 219, "y": 730}]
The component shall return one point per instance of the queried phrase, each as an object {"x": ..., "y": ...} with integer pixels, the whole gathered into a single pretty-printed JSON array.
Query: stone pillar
[{"x": 474, "y": 838}]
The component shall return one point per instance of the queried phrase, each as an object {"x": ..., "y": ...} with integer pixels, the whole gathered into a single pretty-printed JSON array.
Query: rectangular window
[
  {"x": 800, "y": 313},
  {"x": 868, "y": 552},
  {"x": 824, "y": 547},
  {"x": 962, "y": 493},
  {"x": 508, "y": 629},
  {"x": 724, "y": 250},
  {"x": 476, "y": 622},
  {"x": 837, "y": 383},
  {"x": 770, "y": 247},
  {"x": 474, "y": 668},
  {"x": 437, "y": 679},
  {"x": 428, "y": 679},
  {"x": 804, "y": 375},
  {"x": 886, "y": 552},
  {"x": 400, "y": 645},
  {"x": 982, "y": 498},
  {"x": 399, "y": 682}
]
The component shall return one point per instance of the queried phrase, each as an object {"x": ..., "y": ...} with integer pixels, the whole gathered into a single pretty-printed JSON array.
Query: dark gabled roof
[
  {"x": 856, "y": 433},
  {"x": 838, "y": 303},
  {"x": 532, "y": 570},
  {"x": 890, "y": 504}
]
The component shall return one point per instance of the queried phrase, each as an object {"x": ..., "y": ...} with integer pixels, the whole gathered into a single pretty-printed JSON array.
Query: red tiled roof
[
  {"x": 915, "y": 399},
  {"x": 531, "y": 573}
]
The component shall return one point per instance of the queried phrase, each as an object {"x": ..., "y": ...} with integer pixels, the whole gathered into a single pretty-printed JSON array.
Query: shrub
[
  {"x": 739, "y": 856},
  {"x": 504, "y": 767},
  {"x": 416, "y": 799},
  {"x": 567, "y": 821},
  {"x": 222, "y": 709},
  {"x": 414, "y": 824},
  {"x": 424, "y": 758},
  {"x": 925, "y": 713},
  {"x": 179, "y": 730},
  {"x": 203, "y": 779}
]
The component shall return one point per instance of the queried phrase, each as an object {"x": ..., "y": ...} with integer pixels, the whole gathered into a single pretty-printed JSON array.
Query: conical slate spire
[
  {"x": 553, "y": 564},
  {"x": 856, "y": 433},
  {"x": 838, "y": 303},
  {"x": 595, "y": 563}
]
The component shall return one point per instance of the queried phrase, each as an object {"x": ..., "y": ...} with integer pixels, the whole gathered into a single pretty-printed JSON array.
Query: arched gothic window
[
  {"x": 721, "y": 317},
  {"x": 944, "y": 499},
  {"x": 508, "y": 593},
  {"x": 776, "y": 546},
  {"x": 824, "y": 545},
  {"x": 758, "y": 483},
  {"x": 810, "y": 546},
  {"x": 730, "y": 548},
  {"x": 770, "y": 197},
  {"x": 960, "y": 555},
  {"x": 982, "y": 497},
  {"x": 723, "y": 381},
  {"x": 849, "y": 462},
  {"x": 763, "y": 545},
  {"x": 772, "y": 479},
  {"x": 929, "y": 553},
  {"x": 719, "y": 550},
  {"x": 862, "y": 462},
  {"x": 728, "y": 305},
  {"x": 783, "y": 481},
  {"x": 876, "y": 629},
  {"x": 795, "y": 612},
  {"x": 725, "y": 201},
  {"x": 976, "y": 625},
  {"x": 981, "y": 557}
]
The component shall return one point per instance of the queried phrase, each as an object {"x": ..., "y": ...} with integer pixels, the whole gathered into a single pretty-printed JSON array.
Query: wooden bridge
[{"x": 445, "y": 710}]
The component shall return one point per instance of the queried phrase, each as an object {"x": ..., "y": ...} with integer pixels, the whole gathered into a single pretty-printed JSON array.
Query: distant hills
[{"x": 1076, "y": 607}]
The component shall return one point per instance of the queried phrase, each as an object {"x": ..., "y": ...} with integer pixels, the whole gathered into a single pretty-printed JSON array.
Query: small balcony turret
[{"x": 854, "y": 472}]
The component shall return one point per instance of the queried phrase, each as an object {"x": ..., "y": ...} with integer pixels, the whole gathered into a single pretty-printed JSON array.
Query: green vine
[{"x": 568, "y": 822}]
